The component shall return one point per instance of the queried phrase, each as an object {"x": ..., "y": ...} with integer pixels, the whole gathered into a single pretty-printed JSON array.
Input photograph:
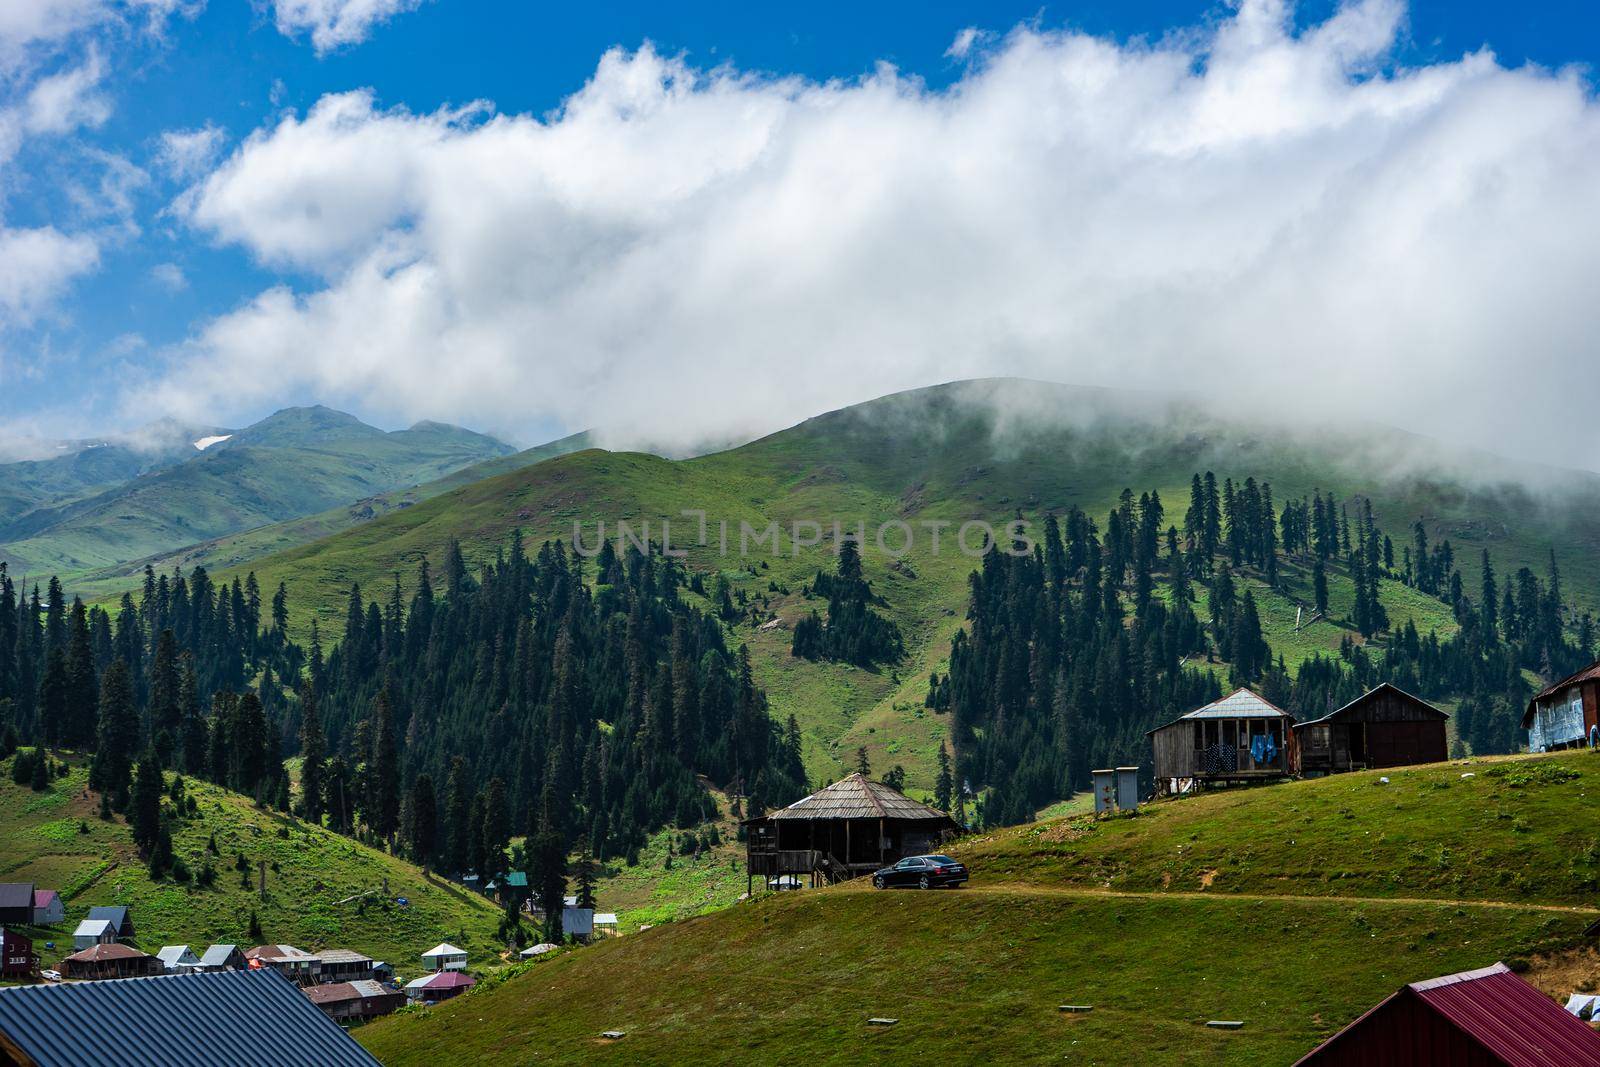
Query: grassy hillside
[
  {"x": 299, "y": 461},
  {"x": 56, "y": 840},
  {"x": 948, "y": 454},
  {"x": 239, "y": 549},
  {"x": 71, "y": 470},
  {"x": 1293, "y": 908}
]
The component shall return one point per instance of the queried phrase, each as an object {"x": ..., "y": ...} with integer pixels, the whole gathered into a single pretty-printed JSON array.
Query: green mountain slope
[
  {"x": 323, "y": 889},
  {"x": 1293, "y": 908},
  {"x": 238, "y": 549},
  {"x": 949, "y": 454},
  {"x": 299, "y": 461},
  {"x": 83, "y": 468}
]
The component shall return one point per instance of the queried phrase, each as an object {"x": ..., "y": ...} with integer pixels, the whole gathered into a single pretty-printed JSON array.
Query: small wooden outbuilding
[
  {"x": 851, "y": 828},
  {"x": 1241, "y": 738},
  {"x": 1385, "y": 727}
]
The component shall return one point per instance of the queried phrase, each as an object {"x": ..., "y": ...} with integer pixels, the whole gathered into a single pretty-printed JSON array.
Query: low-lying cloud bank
[{"x": 1287, "y": 218}]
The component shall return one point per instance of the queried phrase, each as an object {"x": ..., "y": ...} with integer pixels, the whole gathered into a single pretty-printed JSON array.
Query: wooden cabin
[
  {"x": 1386, "y": 727},
  {"x": 1241, "y": 738},
  {"x": 1564, "y": 713},
  {"x": 110, "y": 961},
  {"x": 851, "y": 828}
]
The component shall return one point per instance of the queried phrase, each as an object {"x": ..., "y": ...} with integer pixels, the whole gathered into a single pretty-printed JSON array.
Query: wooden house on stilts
[
  {"x": 1240, "y": 738},
  {"x": 849, "y": 829}
]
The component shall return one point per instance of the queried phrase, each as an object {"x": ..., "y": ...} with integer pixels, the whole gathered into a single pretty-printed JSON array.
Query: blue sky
[{"x": 76, "y": 358}]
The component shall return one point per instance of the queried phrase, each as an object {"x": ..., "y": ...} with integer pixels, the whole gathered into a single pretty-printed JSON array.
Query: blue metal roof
[{"x": 258, "y": 1017}]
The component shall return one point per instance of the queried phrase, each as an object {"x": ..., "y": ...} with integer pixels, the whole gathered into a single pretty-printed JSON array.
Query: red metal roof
[{"x": 1512, "y": 1021}]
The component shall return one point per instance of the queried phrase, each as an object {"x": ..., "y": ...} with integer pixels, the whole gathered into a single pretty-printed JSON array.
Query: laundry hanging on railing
[
  {"x": 1220, "y": 759},
  {"x": 1263, "y": 748}
]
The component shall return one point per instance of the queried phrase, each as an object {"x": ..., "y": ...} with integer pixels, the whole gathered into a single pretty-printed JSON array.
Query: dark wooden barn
[
  {"x": 1486, "y": 1018},
  {"x": 1241, "y": 738},
  {"x": 16, "y": 903},
  {"x": 1386, "y": 727},
  {"x": 851, "y": 828}
]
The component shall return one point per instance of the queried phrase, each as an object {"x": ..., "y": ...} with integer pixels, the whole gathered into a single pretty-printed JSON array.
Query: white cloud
[
  {"x": 334, "y": 24},
  {"x": 170, "y": 277},
  {"x": 961, "y": 47},
  {"x": 31, "y": 29},
  {"x": 1285, "y": 217},
  {"x": 35, "y": 266},
  {"x": 186, "y": 154},
  {"x": 63, "y": 102}
]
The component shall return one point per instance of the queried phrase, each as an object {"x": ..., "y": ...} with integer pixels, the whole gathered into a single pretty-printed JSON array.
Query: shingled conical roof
[{"x": 858, "y": 797}]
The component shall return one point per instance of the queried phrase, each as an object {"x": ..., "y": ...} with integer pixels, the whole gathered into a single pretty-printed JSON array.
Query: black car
[{"x": 924, "y": 872}]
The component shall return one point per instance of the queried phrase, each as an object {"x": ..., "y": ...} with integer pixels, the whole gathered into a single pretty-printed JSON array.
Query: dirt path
[{"x": 1016, "y": 889}]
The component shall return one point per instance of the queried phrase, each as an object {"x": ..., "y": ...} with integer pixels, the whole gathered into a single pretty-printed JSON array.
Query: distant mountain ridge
[
  {"x": 945, "y": 455},
  {"x": 159, "y": 490}
]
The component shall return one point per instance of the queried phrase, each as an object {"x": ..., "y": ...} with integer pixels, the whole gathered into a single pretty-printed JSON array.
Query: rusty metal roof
[
  {"x": 1588, "y": 674},
  {"x": 338, "y": 992},
  {"x": 858, "y": 797},
  {"x": 1515, "y": 1022},
  {"x": 113, "y": 951},
  {"x": 243, "y": 1018}
]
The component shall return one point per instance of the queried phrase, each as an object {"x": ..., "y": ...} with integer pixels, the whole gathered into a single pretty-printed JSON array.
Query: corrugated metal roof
[
  {"x": 444, "y": 948},
  {"x": 93, "y": 928},
  {"x": 43, "y": 897},
  {"x": 279, "y": 952},
  {"x": 336, "y": 992},
  {"x": 246, "y": 1018},
  {"x": 1511, "y": 1018},
  {"x": 173, "y": 955},
  {"x": 1239, "y": 704},
  {"x": 115, "y": 913},
  {"x": 343, "y": 955},
  {"x": 1516, "y": 1023},
  {"x": 858, "y": 797},
  {"x": 217, "y": 955}
]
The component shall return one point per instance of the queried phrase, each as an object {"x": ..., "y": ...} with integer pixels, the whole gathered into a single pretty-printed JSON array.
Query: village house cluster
[{"x": 348, "y": 986}]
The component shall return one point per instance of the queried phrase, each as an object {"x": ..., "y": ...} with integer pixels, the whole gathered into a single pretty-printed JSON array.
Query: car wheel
[
  {"x": 877, "y": 881},
  {"x": 924, "y": 883}
]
